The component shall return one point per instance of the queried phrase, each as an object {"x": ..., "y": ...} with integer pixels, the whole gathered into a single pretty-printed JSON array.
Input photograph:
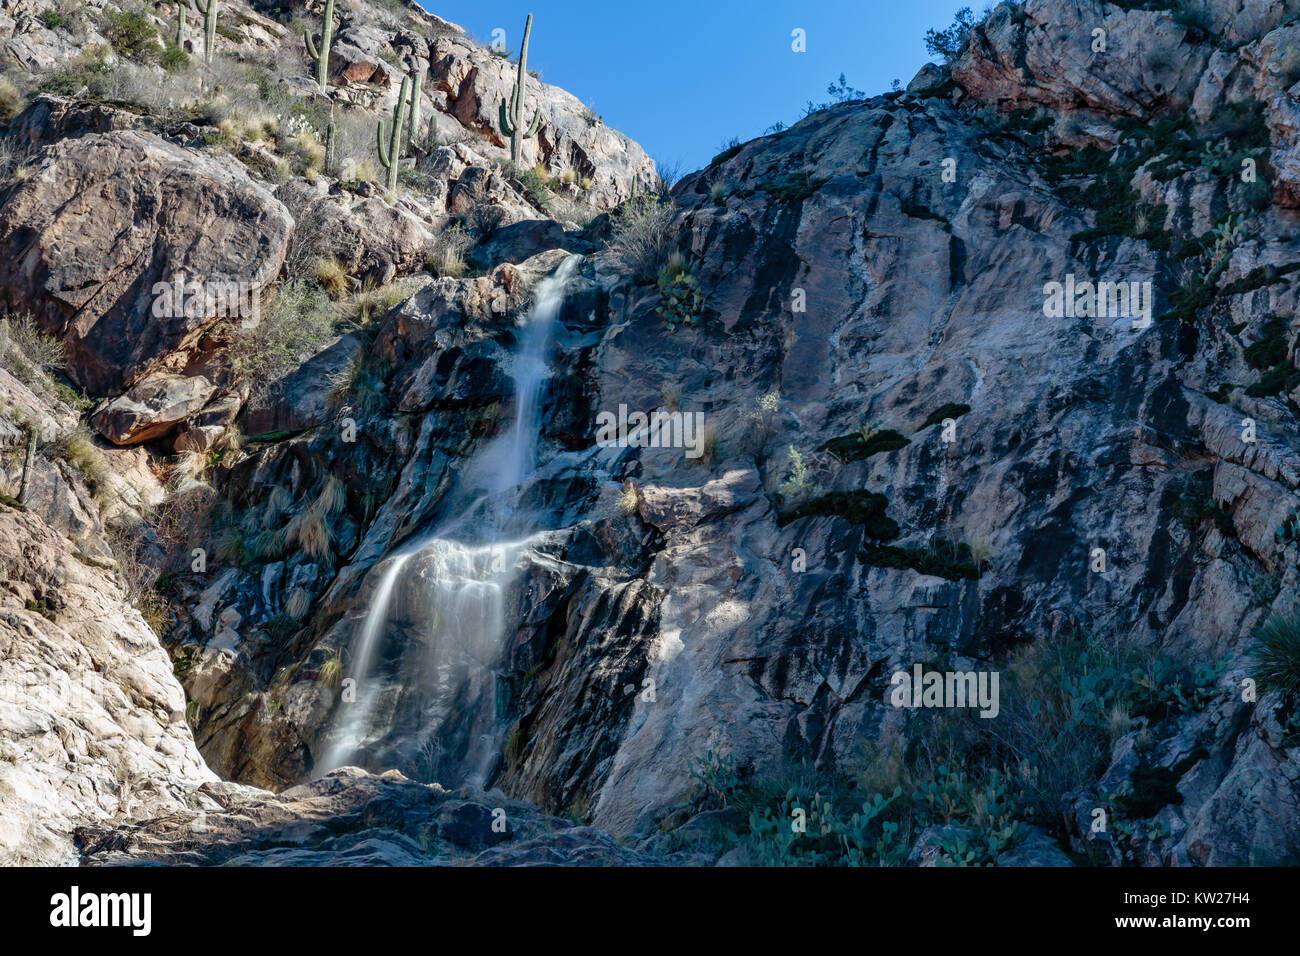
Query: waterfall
[{"x": 451, "y": 586}]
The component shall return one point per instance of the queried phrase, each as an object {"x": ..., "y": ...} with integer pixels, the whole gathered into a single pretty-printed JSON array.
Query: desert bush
[
  {"x": 1275, "y": 666},
  {"x": 668, "y": 174},
  {"x": 332, "y": 278},
  {"x": 132, "y": 34},
  {"x": 28, "y": 353},
  {"x": 533, "y": 183},
  {"x": 1064, "y": 702},
  {"x": 78, "y": 449},
  {"x": 183, "y": 519},
  {"x": 12, "y": 99},
  {"x": 641, "y": 234},
  {"x": 445, "y": 253},
  {"x": 298, "y": 323},
  {"x": 138, "y": 571},
  {"x": 797, "y": 483}
]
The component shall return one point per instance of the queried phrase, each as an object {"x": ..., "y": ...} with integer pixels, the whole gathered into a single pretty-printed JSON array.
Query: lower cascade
[{"x": 428, "y": 704}]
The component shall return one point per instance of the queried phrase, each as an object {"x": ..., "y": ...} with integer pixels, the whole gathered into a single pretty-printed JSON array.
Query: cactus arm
[
  {"x": 536, "y": 125},
  {"x": 203, "y": 7},
  {"x": 311, "y": 47},
  {"x": 379, "y": 141},
  {"x": 506, "y": 128}
]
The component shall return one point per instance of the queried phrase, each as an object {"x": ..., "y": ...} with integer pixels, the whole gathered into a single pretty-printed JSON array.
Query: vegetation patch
[
  {"x": 1065, "y": 701},
  {"x": 680, "y": 302},
  {"x": 1269, "y": 355},
  {"x": 1275, "y": 667},
  {"x": 863, "y": 444},
  {"x": 952, "y": 410},
  {"x": 941, "y": 558},
  {"x": 1154, "y": 788},
  {"x": 726, "y": 154},
  {"x": 793, "y": 187},
  {"x": 865, "y": 508}
]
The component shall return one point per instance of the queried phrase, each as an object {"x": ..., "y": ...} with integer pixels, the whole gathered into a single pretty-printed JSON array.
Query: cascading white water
[
  {"x": 461, "y": 595},
  {"x": 529, "y": 371}
]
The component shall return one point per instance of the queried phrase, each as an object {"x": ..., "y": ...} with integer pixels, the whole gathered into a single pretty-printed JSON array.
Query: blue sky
[{"x": 682, "y": 77}]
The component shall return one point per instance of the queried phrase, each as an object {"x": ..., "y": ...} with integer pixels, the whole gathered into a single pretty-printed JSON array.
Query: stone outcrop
[
  {"x": 106, "y": 217},
  {"x": 92, "y": 720}
]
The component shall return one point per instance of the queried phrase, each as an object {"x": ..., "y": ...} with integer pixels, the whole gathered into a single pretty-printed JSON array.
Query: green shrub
[
  {"x": 864, "y": 443},
  {"x": 78, "y": 449},
  {"x": 796, "y": 483},
  {"x": 949, "y": 43},
  {"x": 793, "y": 187},
  {"x": 132, "y": 35},
  {"x": 52, "y": 19},
  {"x": 1275, "y": 666},
  {"x": 534, "y": 186},
  {"x": 1064, "y": 701},
  {"x": 298, "y": 323},
  {"x": 865, "y": 508},
  {"x": 173, "y": 58},
  {"x": 728, "y": 152}
]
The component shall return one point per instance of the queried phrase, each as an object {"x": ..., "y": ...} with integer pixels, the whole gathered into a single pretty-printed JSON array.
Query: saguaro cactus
[
  {"x": 417, "y": 87},
  {"x": 391, "y": 156},
  {"x": 322, "y": 58},
  {"x": 331, "y": 148},
  {"x": 512, "y": 116},
  {"x": 209, "y": 11},
  {"x": 182, "y": 8}
]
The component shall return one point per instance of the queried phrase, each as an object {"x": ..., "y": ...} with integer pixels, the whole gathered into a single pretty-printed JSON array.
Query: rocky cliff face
[{"x": 912, "y": 452}]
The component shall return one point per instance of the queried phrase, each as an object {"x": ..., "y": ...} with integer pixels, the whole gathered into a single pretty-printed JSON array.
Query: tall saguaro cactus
[
  {"x": 182, "y": 10},
  {"x": 417, "y": 89},
  {"x": 322, "y": 58},
  {"x": 391, "y": 156},
  {"x": 209, "y": 10},
  {"x": 512, "y": 116}
]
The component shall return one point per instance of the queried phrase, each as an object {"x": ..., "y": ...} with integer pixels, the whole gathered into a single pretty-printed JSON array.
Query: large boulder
[
  {"x": 369, "y": 238},
  {"x": 152, "y": 407},
  {"x": 106, "y": 217}
]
